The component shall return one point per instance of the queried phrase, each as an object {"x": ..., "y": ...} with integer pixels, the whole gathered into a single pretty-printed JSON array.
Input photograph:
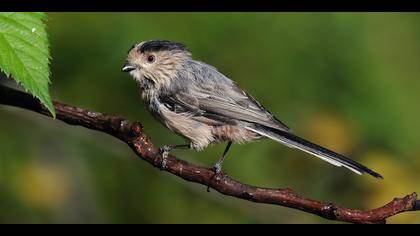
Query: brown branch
[{"x": 132, "y": 134}]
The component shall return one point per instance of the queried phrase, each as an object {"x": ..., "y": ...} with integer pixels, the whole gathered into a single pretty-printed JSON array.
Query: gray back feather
[{"x": 200, "y": 89}]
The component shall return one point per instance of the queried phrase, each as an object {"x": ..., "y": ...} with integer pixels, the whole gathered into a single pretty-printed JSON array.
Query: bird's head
[{"x": 156, "y": 62}]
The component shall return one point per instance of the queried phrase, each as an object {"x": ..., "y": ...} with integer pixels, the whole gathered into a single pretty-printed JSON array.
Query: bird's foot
[
  {"x": 164, "y": 150},
  {"x": 217, "y": 169}
]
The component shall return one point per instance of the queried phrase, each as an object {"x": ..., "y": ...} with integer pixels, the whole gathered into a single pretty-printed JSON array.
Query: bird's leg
[
  {"x": 166, "y": 149},
  {"x": 218, "y": 166}
]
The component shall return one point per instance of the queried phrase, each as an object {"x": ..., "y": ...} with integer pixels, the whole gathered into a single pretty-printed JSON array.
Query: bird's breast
[{"x": 199, "y": 130}]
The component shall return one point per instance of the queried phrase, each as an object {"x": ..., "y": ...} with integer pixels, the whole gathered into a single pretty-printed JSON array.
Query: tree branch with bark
[{"x": 132, "y": 134}]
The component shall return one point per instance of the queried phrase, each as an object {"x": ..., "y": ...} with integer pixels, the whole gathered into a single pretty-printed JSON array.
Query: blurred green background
[{"x": 348, "y": 81}]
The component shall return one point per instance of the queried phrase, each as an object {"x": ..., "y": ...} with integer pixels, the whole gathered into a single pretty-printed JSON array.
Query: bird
[{"x": 196, "y": 101}]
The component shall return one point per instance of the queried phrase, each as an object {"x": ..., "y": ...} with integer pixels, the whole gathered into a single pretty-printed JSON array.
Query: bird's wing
[
  {"x": 238, "y": 105},
  {"x": 222, "y": 102}
]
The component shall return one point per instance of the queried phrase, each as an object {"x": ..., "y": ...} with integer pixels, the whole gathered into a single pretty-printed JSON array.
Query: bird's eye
[{"x": 150, "y": 58}]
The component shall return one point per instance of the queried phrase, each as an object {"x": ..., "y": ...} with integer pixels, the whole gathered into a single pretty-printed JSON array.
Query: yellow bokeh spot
[
  {"x": 398, "y": 182},
  {"x": 41, "y": 186},
  {"x": 331, "y": 131}
]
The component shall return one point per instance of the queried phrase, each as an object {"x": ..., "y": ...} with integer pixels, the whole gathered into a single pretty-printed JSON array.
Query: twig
[{"x": 132, "y": 134}]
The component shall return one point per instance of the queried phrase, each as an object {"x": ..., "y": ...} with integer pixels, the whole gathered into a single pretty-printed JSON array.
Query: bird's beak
[{"x": 127, "y": 67}]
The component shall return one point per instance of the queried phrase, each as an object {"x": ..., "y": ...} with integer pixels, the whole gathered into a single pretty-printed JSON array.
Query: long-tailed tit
[{"x": 202, "y": 105}]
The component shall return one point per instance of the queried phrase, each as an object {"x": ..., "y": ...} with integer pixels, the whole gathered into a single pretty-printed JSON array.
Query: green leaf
[{"x": 24, "y": 53}]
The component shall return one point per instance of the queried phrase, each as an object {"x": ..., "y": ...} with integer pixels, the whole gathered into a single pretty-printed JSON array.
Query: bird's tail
[{"x": 329, "y": 156}]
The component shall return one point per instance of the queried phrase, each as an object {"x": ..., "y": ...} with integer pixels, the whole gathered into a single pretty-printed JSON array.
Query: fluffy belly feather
[{"x": 201, "y": 131}]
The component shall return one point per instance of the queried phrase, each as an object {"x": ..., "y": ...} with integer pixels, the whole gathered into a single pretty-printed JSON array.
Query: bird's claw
[
  {"x": 217, "y": 169},
  {"x": 164, "y": 150}
]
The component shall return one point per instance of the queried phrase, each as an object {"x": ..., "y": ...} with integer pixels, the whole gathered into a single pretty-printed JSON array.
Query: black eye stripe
[{"x": 161, "y": 45}]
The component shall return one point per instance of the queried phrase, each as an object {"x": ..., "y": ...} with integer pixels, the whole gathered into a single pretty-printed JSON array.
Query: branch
[{"x": 132, "y": 134}]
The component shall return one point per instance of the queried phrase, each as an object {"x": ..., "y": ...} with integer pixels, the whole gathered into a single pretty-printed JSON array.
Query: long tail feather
[{"x": 329, "y": 156}]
